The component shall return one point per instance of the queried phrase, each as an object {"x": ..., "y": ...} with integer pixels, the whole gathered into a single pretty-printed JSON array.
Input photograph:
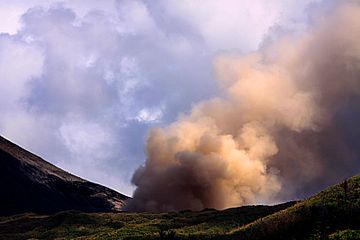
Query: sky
[{"x": 83, "y": 81}]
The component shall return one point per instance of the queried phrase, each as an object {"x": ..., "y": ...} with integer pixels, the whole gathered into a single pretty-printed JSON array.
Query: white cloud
[
  {"x": 19, "y": 63},
  {"x": 11, "y": 11},
  {"x": 134, "y": 17},
  {"x": 233, "y": 24},
  {"x": 149, "y": 115},
  {"x": 82, "y": 81},
  {"x": 86, "y": 140}
]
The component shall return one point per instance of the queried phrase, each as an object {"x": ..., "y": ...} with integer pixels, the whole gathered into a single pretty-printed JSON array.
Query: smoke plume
[{"x": 286, "y": 125}]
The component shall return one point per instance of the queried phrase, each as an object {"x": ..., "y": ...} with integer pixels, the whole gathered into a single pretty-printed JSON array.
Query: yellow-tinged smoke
[{"x": 283, "y": 128}]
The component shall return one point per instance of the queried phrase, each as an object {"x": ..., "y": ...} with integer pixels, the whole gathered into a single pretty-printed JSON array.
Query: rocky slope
[{"x": 28, "y": 183}]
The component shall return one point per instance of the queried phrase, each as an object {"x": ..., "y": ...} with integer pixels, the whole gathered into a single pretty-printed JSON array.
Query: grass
[
  {"x": 332, "y": 214},
  {"x": 336, "y": 208},
  {"x": 185, "y": 224},
  {"x": 345, "y": 235}
]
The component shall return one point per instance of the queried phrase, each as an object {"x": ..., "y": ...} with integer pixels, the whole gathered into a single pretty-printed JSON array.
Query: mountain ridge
[{"x": 31, "y": 184}]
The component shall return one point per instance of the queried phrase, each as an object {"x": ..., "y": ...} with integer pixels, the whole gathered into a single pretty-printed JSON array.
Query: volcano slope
[
  {"x": 30, "y": 184},
  {"x": 331, "y": 214}
]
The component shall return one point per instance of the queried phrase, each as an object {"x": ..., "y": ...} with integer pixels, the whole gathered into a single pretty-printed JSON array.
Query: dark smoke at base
[{"x": 289, "y": 124}]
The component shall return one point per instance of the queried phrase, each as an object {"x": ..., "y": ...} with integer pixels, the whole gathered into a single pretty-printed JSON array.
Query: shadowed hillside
[{"x": 30, "y": 184}]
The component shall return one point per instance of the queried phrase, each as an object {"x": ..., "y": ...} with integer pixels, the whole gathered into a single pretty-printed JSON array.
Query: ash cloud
[{"x": 286, "y": 126}]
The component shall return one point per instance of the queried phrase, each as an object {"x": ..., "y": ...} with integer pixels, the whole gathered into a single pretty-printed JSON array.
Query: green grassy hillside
[
  {"x": 332, "y": 214},
  {"x": 76, "y": 225}
]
